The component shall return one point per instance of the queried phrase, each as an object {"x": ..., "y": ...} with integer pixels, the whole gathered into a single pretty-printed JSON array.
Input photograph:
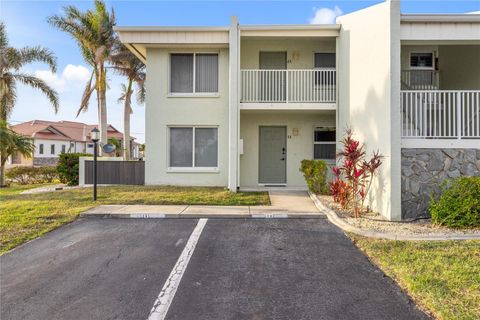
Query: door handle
[{"x": 283, "y": 159}]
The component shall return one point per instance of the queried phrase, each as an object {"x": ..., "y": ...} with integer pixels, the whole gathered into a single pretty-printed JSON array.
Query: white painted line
[{"x": 165, "y": 298}]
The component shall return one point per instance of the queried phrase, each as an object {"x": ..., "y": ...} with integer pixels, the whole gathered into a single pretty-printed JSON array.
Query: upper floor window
[
  {"x": 325, "y": 61},
  {"x": 421, "y": 60},
  {"x": 40, "y": 148},
  {"x": 194, "y": 73}
]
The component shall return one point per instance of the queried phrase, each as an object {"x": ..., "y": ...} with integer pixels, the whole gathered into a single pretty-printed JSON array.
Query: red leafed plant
[{"x": 354, "y": 175}]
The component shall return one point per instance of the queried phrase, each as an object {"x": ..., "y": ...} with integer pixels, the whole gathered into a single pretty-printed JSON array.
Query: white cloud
[
  {"x": 474, "y": 12},
  {"x": 72, "y": 76},
  {"x": 325, "y": 15}
]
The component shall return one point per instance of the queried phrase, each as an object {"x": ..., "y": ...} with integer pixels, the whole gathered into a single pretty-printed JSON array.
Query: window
[
  {"x": 324, "y": 143},
  {"x": 64, "y": 148},
  {"x": 52, "y": 149},
  {"x": 324, "y": 61},
  {"x": 40, "y": 148},
  {"x": 193, "y": 147},
  {"x": 90, "y": 145},
  {"x": 194, "y": 73},
  {"x": 421, "y": 60}
]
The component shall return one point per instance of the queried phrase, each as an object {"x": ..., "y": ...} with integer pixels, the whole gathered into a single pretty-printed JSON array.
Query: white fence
[
  {"x": 441, "y": 114},
  {"x": 288, "y": 86},
  {"x": 420, "y": 79}
]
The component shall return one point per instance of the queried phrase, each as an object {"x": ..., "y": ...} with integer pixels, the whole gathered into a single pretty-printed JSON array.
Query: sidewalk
[{"x": 285, "y": 204}]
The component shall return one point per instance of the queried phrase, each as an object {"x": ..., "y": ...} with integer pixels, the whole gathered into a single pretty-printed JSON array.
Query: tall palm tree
[
  {"x": 93, "y": 32},
  {"x": 11, "y": 62},
  {"x": 10, "y": 144},
  {"x": 128, "y": 65}
]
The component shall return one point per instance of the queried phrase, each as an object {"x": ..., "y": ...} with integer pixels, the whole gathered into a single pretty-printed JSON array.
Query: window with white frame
[
  {"x": 40, "y": 148},
  {"x": 193, "y": 147},
  {"x": 193, "y": 73},
  {"x": 324, "y": 61},
  {"x": 421, "y": 60},
  {"x": 324, "y": 143},
  {"x": 64, "y": 148},
  {"x": 52, "y": 149}
]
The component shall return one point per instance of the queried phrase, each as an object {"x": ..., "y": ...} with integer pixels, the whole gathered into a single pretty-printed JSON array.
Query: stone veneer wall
[
  {"x": 423, "y": 170},
  {"x": 45, "y": 161}
]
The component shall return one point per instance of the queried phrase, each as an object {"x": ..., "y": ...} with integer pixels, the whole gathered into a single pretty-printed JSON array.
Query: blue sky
[{"x": 26, "y": 25}]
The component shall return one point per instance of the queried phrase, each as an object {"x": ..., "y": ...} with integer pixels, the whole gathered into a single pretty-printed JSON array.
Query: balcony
[
  {"x": 420, "y": 79},
  {"x": 309, "y": 89},
  {"x": 441, "y": 115}
]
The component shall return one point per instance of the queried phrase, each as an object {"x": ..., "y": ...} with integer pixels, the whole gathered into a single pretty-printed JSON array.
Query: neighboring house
[
  {"x": 52, "y": 138},
  {"x": 241, "y": 106}
]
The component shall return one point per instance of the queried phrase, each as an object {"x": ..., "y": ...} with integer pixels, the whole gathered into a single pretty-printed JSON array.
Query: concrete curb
[
  {"x": 114, "y": 211},
  {"x": 336, "y": 220}
]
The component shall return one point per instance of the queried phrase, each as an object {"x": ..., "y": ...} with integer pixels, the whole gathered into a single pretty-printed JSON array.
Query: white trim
[
  {"x": 440, "y": 143},
  {"x": 193, "y": 169},
  {"x": 322, "y": 142},
  {"x": 288, "y": 106}
]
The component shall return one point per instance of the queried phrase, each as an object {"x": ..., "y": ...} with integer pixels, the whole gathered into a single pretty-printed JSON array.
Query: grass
[
  {"x": 27, "y": 216},
  {"x": 443, "y": 277}
]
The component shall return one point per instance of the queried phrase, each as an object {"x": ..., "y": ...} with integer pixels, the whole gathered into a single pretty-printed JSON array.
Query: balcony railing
[
  {"x": 441, "y": 114},
  {"x": 288, "y": 86},
  {"x": 420, "y": 79}
]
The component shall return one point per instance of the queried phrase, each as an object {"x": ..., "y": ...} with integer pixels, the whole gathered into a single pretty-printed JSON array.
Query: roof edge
[{"x": 461, "y": 17}]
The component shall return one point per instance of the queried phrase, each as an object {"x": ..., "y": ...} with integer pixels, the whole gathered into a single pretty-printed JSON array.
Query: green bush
[
  {"x": 459, "y": 203},
  {"x": 68, "y": 166},
  {"x": 315, "y": 173},
  {"x": 31, "y": 175}
]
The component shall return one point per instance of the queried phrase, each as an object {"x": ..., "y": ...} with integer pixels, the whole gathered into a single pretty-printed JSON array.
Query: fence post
[
  {"x": 459, "y": 114},
  {"x": 287, "y": 89}
]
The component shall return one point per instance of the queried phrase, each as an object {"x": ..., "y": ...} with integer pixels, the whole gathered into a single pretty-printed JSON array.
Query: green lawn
[
  {"x": 443, "y": 277},
  {"x": 25, "y": 217}
]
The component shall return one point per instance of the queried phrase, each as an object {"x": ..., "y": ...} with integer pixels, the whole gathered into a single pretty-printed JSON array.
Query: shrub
[
  {"x": 458, "y": 204},
  {"x": 315, "y": 173},
  {"x": 354, "y": 176},
  {"x": 31, "y": 175},
  {"x": 68, "y": 167}
]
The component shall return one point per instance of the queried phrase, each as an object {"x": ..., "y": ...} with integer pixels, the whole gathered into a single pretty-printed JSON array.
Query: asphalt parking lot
[{"x": 237, "y": 269}]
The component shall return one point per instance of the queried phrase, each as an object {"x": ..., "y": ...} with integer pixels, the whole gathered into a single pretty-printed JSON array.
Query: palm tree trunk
[
  {"x": 126, "y": 121},
  {"x": 2, "y": 172},
  {"x": 102, "y": 106}
]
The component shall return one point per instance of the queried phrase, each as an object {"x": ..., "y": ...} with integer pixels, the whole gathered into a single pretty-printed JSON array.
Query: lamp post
[{"x": 95, "y": 137}]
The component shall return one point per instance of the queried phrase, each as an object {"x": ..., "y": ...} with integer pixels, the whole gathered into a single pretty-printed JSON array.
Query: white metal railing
[
  {"x": 420, "y": 79},
  {"x": 288, "y": 86},
  {"x": 440, "y": 114}
]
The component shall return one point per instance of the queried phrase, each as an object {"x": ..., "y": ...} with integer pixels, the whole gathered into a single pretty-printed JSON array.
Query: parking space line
[{"x": 165, "y": 298}]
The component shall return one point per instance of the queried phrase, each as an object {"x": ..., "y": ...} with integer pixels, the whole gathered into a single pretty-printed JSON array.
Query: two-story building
[{"x": 241, "y": 106}]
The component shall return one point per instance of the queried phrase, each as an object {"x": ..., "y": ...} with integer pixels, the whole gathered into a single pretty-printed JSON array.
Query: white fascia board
[
  {"x": 446, "y": 18},
  {"x": 292, "y": 27},
  {"x": 167, "y": 28}
]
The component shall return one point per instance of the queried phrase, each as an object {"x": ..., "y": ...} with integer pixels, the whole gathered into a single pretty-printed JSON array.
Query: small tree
[
  {"x": 353, "y": 178},
  {"x": 10, "y": 144}
]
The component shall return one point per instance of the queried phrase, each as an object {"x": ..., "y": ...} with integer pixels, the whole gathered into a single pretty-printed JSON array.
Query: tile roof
[{"x": 61, "y": 130}]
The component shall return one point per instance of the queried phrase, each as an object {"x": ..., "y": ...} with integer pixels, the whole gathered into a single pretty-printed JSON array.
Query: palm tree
[
  {"x": 93, "y": 32},
  {"x": 10, "y": 144},
  {"x": 11, "y": 61},
  {"x": 128, "y": 65}
]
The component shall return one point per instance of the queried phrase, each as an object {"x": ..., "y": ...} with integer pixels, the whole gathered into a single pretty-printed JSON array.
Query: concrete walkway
[{"x": 284, "y": 204}]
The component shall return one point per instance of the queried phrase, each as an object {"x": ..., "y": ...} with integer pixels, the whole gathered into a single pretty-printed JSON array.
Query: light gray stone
[{"x": 451, "y": 153}]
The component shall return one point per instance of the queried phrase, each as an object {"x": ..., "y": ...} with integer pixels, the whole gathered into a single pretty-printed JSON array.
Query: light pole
[{"x": 95, "y": 137}]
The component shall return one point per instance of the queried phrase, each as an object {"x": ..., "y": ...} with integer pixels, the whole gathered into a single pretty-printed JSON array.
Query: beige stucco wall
[
  {"x": 368, "y": 65},
  {"x": 299, "y": 51},
  {"x": 163, "y": 111},
  {"x": 459, "y": 67},
  {"x": 298, "y": 147}
]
